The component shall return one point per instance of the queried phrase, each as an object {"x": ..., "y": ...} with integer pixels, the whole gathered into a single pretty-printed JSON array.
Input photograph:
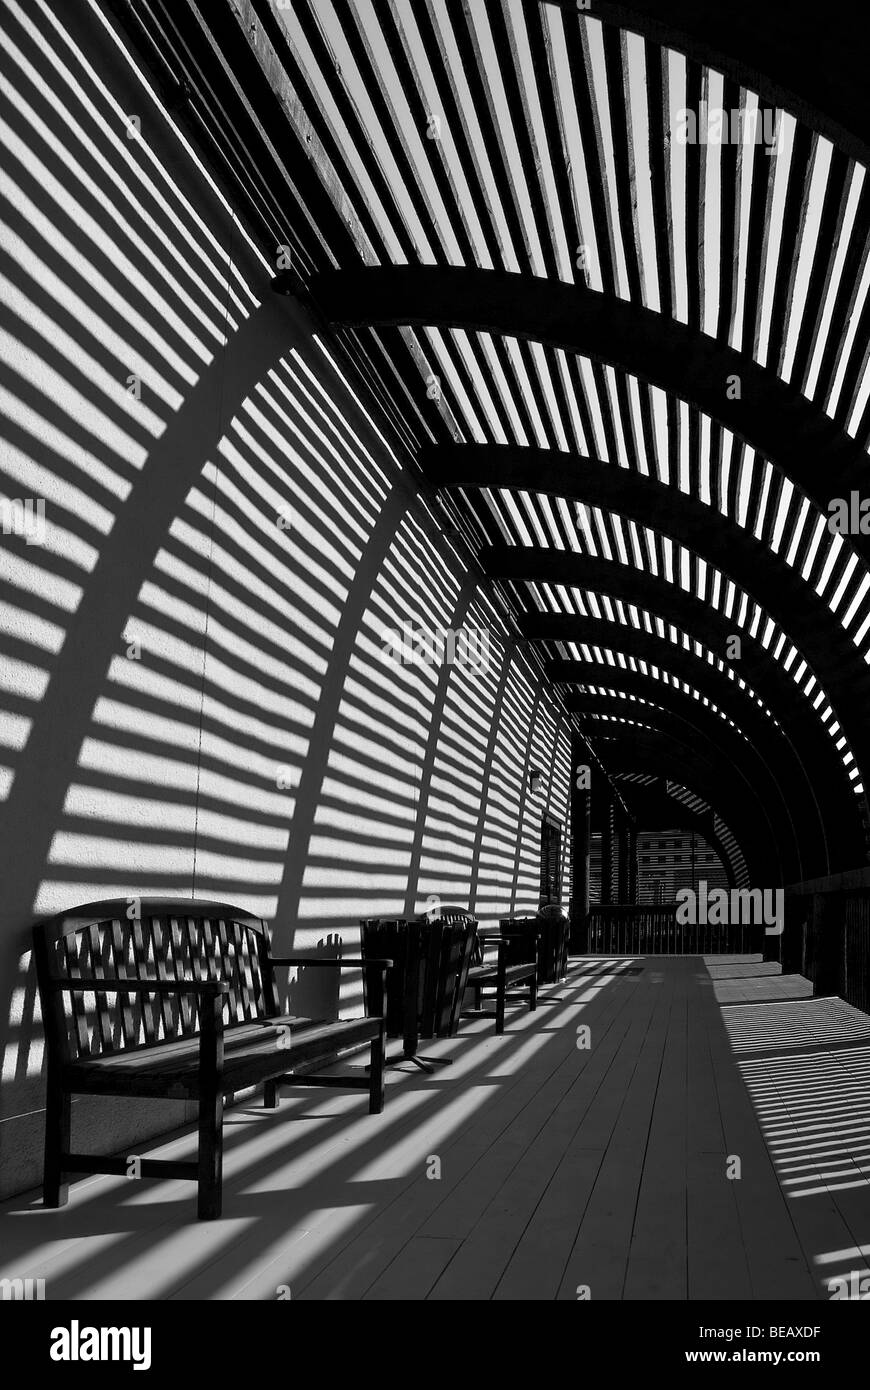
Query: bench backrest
[
  {"x": 431, "y": 962},
  {"x": 147, "y": 939},
  {"x": 553, "y": 929},
  {"x": 449, "y": 912}
]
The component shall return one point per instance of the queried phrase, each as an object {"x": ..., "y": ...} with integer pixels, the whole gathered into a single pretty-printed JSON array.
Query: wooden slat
[
  {"x": 249, "y": 993},
  {"x": 77, "y": 1000},
  {"x": 448, "y": 970},
  {"x": 184, "y": 967},
  {"x": 148, "y": 1009},
  {"x": 559, "y": 1167},
  {"x": 167, "y": 1005},
  {"x": 124, "y": 1002},
  {"x": 416, "y": 101},
  {"x": 433, "y": 937},
  {"x": 227, "y": 968},
  {"x": 103, "y": 1034}
]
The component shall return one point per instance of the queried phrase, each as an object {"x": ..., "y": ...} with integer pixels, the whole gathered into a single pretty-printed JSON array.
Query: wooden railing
[
  {"x": 827, "y": 939},
  {"x": 643, "y": 930}
]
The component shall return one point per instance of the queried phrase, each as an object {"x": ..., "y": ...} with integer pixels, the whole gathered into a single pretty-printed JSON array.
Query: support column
[
  {"x": 829, "y": 943},
  {"x": 607, "y": 818},
  {"x": 632, "y": 864},
  {"x": 581, "y": 808},
  {"x": 622, "y": 863}
]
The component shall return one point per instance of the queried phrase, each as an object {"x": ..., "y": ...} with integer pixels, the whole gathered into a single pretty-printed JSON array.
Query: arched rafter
[
  {"x": 378, "y": 201},
  {"x": 705, "y": 532},
  {"x": 824, "y": 788},
  {"x": 767, "y": 414},
  {"x": 654, "y": 803},
  {"x": 664, "y": 750},
  {"x": 818, "y": 75}
]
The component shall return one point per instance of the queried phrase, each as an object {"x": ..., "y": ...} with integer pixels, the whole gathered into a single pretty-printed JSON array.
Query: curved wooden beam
[
  {"x": 668, "y": 755},
  {"x": 770, "y": 744},
  {"x": 739, "y": 556},
  {"x": 542, "y": 564},
  {"x": 775, "y": 784},
  {"x": 769, "y": 415},
  {"x": 798, "y": 747},
  {"x": 654, "y": 808},
  {"x": 758, "y": 782},
  {"x": 814, "y": 70}
]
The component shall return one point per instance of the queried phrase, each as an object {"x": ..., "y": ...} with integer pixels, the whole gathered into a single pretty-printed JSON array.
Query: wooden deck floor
[{"x": 530, "y": 1169}]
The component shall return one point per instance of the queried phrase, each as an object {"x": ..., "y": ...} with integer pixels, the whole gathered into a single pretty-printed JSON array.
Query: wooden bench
[
  {"x": 195, "y": 1015},
  {"x": 503, "y": 976},
  {"x": 552, "y": 929},
  {"x": 507, "y": 971}
]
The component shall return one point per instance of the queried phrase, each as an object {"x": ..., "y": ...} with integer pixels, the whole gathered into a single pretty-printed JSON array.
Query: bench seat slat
[
  {"x": 249, "y": 1059},
  {"x": 480, "y": 974}
]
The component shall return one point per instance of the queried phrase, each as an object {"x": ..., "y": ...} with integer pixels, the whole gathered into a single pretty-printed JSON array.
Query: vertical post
[
  {"x": 580, "y": 841},
  {"x": 377, "y": 1051},
  {"x": 55, "y": 1189},
  {"x": 501, "y": 988},
  {"x": 632, "y": 864},
  {"x": 791, "y": 951},
  {"x": 829, "y": 928},
  {"x": 211, "y": 1104},
  {"x": 622, "y": 862},
  {"x": 606, "y": 845}
]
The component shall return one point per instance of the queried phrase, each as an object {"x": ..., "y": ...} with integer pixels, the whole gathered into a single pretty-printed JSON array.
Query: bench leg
[
  {"x": 499, "y": 1010},
  {"x": 533, "y": 994},
  {"x": 270, "y": 1095},
  {"x": 55, "y": 1191},
  {"x": 500, "y": 992},
  {"x": 211, "y": 1146},
  {"x": 376, "y": 1074}
]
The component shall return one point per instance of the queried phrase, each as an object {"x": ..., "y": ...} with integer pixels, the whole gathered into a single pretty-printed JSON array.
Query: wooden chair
[
  {"x": 195, "y": 1014},
  {"x": 552, "y": 929},
  {"x": 449, "y": 912},
  {"x": 557, "y": 933},
  {"x": 502, "y": 975},
  {"x": 425, "y": 989}
]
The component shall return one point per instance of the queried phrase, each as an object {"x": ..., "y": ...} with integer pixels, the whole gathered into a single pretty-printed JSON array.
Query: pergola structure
[{"x": 632, "y": 367}]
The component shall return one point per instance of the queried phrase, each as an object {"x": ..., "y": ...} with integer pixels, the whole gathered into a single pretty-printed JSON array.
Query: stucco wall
[{"x": 195, "y": 693}]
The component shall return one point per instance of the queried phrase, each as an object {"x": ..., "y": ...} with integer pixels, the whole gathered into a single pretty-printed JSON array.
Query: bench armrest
[
  {"x": 488, "y": 934},
  {"x": 501, "y": 941},
  {"x": 376, "y": 985},
  {"x": 339, "y": 961},
  {"x": 106, "y": 986}
]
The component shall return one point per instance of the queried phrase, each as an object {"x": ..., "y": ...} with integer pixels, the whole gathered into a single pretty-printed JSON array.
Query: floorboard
[{"x": 712, "y": 1141}]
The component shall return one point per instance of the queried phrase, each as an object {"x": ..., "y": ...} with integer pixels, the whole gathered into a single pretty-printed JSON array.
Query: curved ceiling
[
  {"x": 634, "y": 362},
  {"x": 660, "y": 803}
]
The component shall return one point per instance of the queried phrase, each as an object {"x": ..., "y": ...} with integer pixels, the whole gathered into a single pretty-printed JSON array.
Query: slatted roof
[
  {"x": 660, "y": 799},
  {"x": 635, "y": 367}
]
